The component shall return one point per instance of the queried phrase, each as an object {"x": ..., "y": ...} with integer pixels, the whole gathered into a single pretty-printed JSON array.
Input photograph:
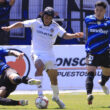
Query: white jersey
[{"x": 43, "y": 37}]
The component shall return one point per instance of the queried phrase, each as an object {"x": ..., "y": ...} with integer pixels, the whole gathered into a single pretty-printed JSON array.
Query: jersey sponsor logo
[
  {"x": 92, "y": 23},
  {"x": 44, "y": 33},
  {"x": 99, "y": 31}
]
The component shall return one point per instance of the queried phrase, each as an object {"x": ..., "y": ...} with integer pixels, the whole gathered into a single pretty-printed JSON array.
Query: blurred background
[{"x": 69, "y": 13}]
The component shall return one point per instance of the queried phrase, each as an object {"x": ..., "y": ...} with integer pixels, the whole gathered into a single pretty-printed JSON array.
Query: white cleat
[
  {"x": 34, "y": 82},
  {"x": 59, "y": 102},
  {"x": 104, "y": 88},
  {"x": 23, "y": 102}
]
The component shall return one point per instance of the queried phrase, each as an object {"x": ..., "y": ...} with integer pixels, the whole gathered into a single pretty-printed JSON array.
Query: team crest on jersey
[
  {"x": 52, "y": 30},
  {"x": 40, "y": 26},
  {"x": 98, "y": 22},
  {"x": 105, "y": 24}
]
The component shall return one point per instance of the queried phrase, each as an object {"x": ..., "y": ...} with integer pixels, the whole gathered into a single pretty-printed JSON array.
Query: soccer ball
[{"x": 42, "y": 102}]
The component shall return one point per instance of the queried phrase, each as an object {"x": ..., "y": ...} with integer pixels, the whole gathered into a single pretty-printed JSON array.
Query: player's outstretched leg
[
  {"x": 30, "y": 81},
  {"x": 6, "y": 101}
]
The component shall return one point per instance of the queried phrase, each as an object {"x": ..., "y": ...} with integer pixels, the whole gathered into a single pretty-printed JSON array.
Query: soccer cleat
[
  {"x": 59, "y": 102},
  {"x": 104, "y": 88},
  {"x": 89, "y": 99},
  {"x": 23, "y": 102},
  {"x": 34, "y": 82}
]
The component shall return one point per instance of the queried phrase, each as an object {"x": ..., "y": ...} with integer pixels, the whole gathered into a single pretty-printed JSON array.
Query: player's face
[
  {"x": 47, "y": 20},
  {"x": 99, "y": 12}
]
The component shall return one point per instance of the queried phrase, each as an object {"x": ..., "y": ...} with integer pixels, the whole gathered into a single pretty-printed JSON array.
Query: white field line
[{"x": 77, "y": 92}]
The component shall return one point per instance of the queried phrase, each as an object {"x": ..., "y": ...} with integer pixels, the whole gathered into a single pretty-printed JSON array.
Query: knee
[
  {"x": 39, "y": 68},
  {"x": 90, "y": 76},
  {"x": 91, "y": 73}
]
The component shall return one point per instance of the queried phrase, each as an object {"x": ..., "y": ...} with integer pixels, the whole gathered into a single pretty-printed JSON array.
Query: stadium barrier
[{"x": 71, "y": 67}]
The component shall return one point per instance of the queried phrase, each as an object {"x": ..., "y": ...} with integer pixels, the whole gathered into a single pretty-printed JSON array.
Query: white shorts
[{"x": 47, "y": 59}]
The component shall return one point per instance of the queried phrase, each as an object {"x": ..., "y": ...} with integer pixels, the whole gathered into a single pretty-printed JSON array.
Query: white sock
[
  {"x": 55, "y": 91},
  {"x": 39, "y": 87}
]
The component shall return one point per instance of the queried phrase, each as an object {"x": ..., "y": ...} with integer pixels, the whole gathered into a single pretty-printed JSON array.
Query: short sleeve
[
  {"x": 61, "y": 31},
  {"x": 29, "y": 23}
]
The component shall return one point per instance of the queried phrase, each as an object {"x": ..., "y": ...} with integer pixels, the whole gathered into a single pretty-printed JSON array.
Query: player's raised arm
[
  {"x": 15, "y": 25},
  {"x": 75, "y": 35},
  {"x": 16, "y": 54}
]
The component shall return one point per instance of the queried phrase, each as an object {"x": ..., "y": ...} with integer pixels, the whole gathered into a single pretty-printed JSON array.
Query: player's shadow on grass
[{"x": 103, "y": 107}]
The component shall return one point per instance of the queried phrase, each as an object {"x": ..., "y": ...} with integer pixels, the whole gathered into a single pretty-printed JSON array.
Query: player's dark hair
[
  {"x": 49, "y": 11},
  {"x": 101, "y": 3}
]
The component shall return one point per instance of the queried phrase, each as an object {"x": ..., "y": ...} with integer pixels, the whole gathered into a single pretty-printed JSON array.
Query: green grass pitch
[{"x": 73, "y": 101}]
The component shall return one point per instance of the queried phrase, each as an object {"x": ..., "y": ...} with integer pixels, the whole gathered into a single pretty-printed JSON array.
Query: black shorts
[
  {"x": 98, "y": 60},
  {"x": 5, "y": 82}
]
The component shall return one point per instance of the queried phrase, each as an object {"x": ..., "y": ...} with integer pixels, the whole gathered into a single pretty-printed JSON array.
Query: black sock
[
  {"x": 5, "y": 101},
  {"x": 104, "y": 79},
  {"x": 89, "y": 82},
  {"x": 25, "y": 79},
  {"x": 17, "y": 80}
]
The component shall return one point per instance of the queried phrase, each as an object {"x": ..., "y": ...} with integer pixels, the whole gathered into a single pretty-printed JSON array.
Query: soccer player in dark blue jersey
[
  {"x": 5, "y": 7},
  {"x": 9, "y": 79},
  {"x": 97, "y": 46}
]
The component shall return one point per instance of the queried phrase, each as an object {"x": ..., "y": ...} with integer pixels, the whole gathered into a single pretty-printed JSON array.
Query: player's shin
[
  {"x": 39, "y": 87},
  {"x": 89, "y": 82},
  {"x": 55, "y": 91}
]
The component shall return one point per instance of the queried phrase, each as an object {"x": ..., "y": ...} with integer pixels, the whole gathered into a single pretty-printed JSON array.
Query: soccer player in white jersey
[{"x": 44, "y": 33}]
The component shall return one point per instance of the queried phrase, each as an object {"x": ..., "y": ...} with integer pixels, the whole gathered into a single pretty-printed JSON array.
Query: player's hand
[
  {"x": 20, "y": 56},
  {"x": 79, "y": 35},
  {"x": 5, "y": 28}
]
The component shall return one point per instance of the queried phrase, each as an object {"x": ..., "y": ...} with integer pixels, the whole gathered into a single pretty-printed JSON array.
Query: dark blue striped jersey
[
  {"x": 3, "y": 65},
  {"x": 98, "y": 34},
  {"x": 4, "y": 13}
]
